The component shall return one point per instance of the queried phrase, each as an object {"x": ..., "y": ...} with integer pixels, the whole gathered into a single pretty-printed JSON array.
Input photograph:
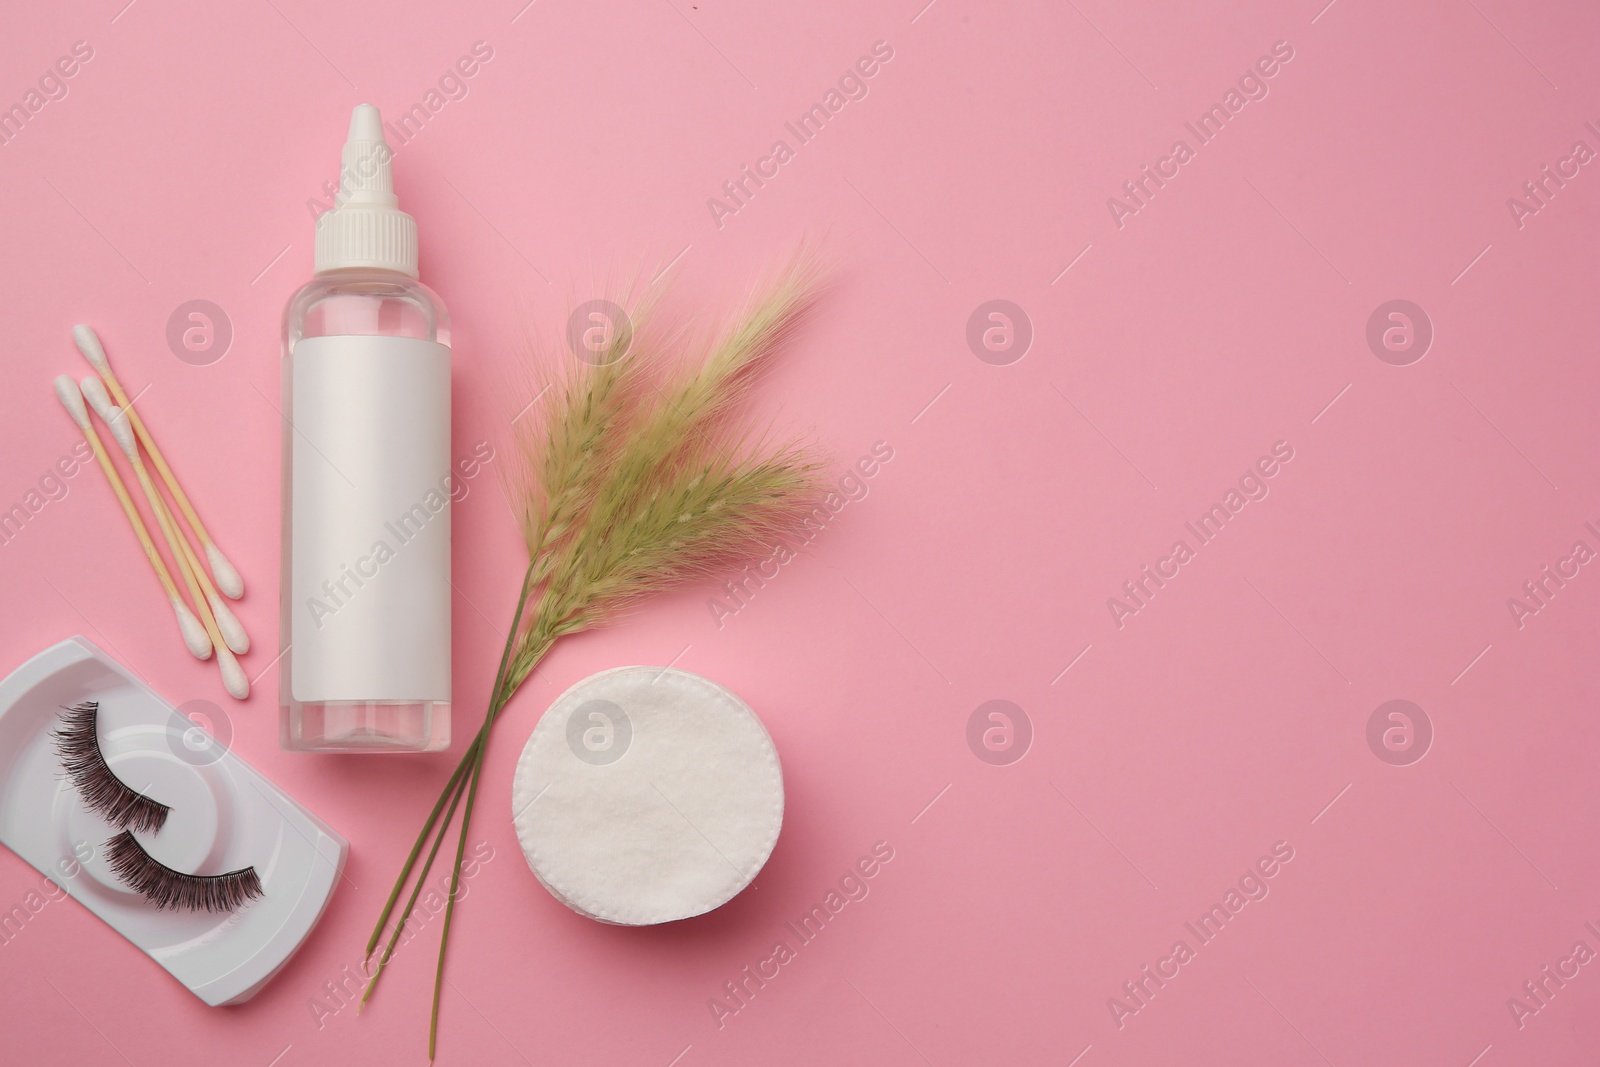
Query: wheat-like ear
[
  {"x": 682, "y": 492},
  {"x": 568, "y": 437},
  {"x": 693, "y": 399},
  {"x": 772, "y": 313}
]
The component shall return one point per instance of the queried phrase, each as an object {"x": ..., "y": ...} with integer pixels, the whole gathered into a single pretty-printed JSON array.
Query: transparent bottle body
[{"x": 361, "y": 302}]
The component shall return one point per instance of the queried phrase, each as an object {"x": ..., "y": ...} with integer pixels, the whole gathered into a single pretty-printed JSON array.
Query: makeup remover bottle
[{"x": 365, "y": 582}]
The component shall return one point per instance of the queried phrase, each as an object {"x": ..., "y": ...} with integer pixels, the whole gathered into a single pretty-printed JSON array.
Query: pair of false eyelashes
[{"x": 78, "y": 743}]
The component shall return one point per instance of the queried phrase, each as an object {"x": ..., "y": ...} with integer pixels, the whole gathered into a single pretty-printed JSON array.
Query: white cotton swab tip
[
  {"x": 228, "y": 625},
  {"x": 233, "y": 676},
  {"x": 71, "y": 399},
  {"x": 227, "y": 577},
  {"x": 194, "y": 633},
  {"x": 89, "y": 344},
  {"x": 123, "y": 433},
  {"x": 94, "y": 391}
]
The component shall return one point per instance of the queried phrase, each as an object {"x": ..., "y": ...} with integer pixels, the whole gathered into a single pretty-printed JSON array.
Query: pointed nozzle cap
[
  {"x": 365, "y": 124},
  {"x": 366, "y": 227}
]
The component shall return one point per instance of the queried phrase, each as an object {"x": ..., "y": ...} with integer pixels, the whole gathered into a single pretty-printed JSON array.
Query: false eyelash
[
  {"x": 167, "y": 888},
  {"x": 78, "y": 744}
]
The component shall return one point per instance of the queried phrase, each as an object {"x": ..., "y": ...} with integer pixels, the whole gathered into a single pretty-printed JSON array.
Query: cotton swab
[
  {"x": 201, "y": 591},
  {"x": 228, "y": 579},
  {"x": 194, "y": 634},
  {"x": 233, "y": 676}
]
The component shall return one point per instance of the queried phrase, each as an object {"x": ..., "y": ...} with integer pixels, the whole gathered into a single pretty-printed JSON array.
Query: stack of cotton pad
[{"x": 647, "y": 794}]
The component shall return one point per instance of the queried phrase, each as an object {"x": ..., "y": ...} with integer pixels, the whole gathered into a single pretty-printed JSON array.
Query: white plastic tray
[{"x": 224, "y": 816}]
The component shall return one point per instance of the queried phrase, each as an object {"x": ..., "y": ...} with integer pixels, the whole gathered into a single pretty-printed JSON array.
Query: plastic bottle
[{"x": 365, "y": 583}]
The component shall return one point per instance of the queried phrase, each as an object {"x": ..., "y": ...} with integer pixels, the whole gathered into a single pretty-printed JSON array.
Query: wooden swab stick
[
  {"x": 194, "y": 634},
  {"x": 201, "y": 592},
  {"x": 228, "y": 579},
  {"x": 233, "y": 676}
]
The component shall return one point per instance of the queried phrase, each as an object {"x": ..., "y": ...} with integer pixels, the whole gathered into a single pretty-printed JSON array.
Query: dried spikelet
[
  {"x": 632, "y": 442},
  {"x": 565, "y": 437}
]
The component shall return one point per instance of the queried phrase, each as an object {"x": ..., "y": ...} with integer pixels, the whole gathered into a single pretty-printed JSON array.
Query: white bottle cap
[{"x": 366, "y": 228}]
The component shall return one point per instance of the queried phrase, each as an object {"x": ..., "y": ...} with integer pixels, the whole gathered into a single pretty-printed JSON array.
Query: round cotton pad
[{"x": 647, "y": 794}]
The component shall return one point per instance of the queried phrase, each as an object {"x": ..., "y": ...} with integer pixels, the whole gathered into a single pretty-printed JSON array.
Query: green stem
[
  {"x": 461, "y": 846},
  {"x": 449, "y": 910},
  {"x": 416, "y": 849},
  {"x": 455, "y": 787},
  {"x": 499, "y": 697}
]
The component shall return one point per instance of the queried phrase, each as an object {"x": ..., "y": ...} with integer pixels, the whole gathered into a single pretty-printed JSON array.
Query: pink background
[{"x": 1167, "y": 755}]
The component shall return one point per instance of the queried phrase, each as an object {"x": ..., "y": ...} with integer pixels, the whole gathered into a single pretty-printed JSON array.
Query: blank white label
[{"x": 369, "y": 617}]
